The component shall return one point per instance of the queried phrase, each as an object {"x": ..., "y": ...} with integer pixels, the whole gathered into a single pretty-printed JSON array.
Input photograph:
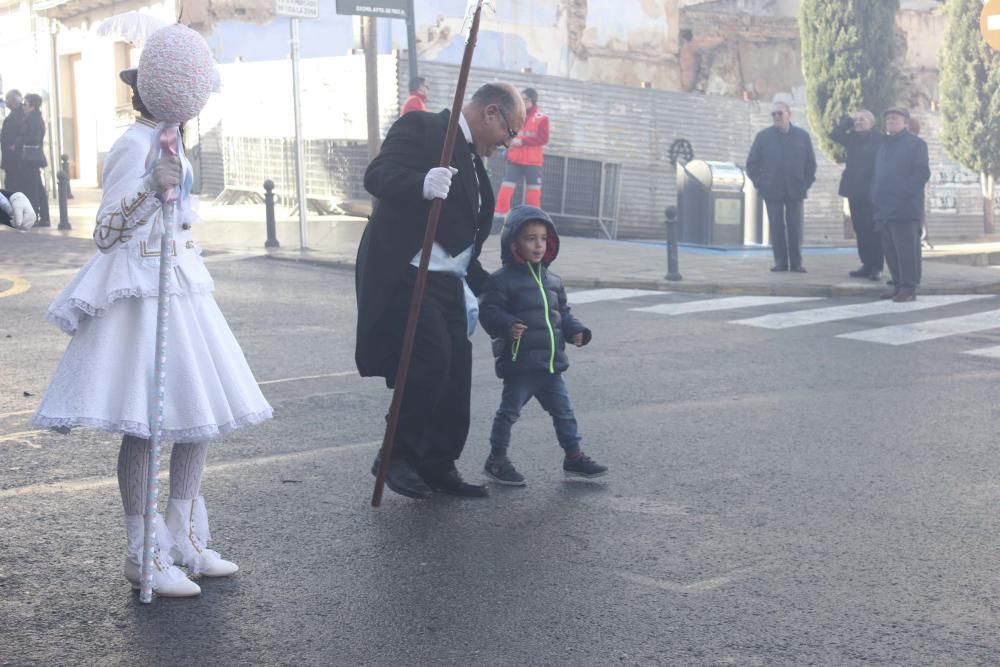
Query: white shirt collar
[{"x": 464, "y": 124}]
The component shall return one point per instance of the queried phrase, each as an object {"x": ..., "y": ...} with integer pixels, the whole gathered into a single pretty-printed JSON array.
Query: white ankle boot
[
  {"x": 187, "y": 521},
  {"x": 168, "y": 580}
]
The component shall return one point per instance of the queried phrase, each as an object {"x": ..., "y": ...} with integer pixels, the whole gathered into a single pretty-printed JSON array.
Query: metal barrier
[
  {"x": 581, "y": 195},
  {"x": 334, "y": 170}
]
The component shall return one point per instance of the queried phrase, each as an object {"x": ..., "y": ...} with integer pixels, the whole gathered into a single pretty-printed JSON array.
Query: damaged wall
[{"x": 204, "y": 15}]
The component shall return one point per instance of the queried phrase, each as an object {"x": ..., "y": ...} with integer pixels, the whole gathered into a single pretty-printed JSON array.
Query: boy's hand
[
  {"x": 577, "y": 339},
  {"x": 516, "y": 330}
]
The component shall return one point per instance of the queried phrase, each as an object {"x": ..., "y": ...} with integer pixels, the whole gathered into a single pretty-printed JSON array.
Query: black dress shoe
[
  {"x": 452, "y": 484},
  {"x": 402, "y": 478},
  {"x": 799, "y": 269},
  {"x": 778, "y": 269},
  {"x": 863, "y": 272}
]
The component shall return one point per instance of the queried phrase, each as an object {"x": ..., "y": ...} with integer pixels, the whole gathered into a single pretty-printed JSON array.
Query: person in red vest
[
  {"x": 418, "y": 95},
  {"x": 525, "y": 157}
]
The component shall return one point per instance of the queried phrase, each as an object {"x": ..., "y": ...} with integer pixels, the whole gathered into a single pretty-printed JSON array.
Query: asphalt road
[{"x": 776, "y": 497}]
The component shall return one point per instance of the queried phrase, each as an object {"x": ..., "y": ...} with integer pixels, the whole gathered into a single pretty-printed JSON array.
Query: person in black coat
[
  {"x": 782, "y": 166},
  {"x": 524, "y": 311},
  {"x": 30, "y": 148},
  {"x": 405, "y": 177},
  {"x": 902, "y": 169},
  {"x": 859, "y": 136},
  {"x": 9, "y": 134}
]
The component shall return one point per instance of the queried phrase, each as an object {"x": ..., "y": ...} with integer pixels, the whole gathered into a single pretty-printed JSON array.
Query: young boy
[{"x": 524, "y": 310}]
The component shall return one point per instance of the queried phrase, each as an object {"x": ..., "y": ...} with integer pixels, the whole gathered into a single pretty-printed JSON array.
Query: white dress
[{"x": 105, "y": 378}]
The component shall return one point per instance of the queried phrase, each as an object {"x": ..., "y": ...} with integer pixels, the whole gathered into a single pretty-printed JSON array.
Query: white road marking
[
  {"x": 309, "y": 377},
  {"x": 73, "y": 486},
  {"x": 19, "y": 413},
  {"x": 798, "y": 318},
  {"x": 21, "y": 435},
  {"x": 905, "y": 334},
  {"x": 701, "y": 586},
  {"x": 991, "y": 352},
  {"x": 607, "y": 294},
  {"x": 727, "y": 303}
]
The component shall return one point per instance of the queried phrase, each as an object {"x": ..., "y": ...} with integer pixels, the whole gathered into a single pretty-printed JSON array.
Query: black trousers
[
  {"x": 785, "y": 220},
  {"x": 34, "y": 189},
  {"x": 901, "y": 242},
  {"x": 869, "y": 240},
  {"x": 434, "y": 415}
]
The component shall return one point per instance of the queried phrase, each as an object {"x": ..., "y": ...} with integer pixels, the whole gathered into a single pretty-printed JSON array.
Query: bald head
[{"x": 495, "y": 115}]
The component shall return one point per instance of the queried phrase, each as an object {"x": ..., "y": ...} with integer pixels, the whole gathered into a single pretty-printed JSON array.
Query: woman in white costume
[{"x": 105, "y": 377}]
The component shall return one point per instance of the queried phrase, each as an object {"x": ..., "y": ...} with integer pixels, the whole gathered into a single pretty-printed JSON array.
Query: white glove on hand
[
  {"x": 167, "y": 175},
  {"x": 23, "y": 217},
  {"x": 437, "y": 182}
]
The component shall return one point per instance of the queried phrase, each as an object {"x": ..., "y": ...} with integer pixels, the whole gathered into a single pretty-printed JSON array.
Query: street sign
[
  {"x": 390, "y": 9},
  {"x": 301, "y": 9},
  {"x": 989, "y": 23}
]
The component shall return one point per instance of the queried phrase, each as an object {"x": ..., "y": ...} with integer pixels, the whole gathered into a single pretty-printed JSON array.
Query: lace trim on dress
[
  {"x": 60, "y": 317},
  {"x": 141, "y": 430}
]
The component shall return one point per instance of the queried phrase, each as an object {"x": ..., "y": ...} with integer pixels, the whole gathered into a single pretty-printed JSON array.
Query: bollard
[
  {"x": 62, "y": 184},
  {"x": 272, "y": 239},
  {"x": 64, "y": 165},
  {"x": 673, "y": 271}
]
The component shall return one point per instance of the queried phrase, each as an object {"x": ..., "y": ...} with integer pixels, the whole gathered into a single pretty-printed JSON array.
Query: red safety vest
[
  {"x": 534, "y": 135},
  {"x": 413, "y": 103}
]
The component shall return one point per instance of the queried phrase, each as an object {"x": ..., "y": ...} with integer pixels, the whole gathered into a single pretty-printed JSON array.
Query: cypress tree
[
  {"x": 848, "y": 48},
  {"x": 970, "y": 99}
]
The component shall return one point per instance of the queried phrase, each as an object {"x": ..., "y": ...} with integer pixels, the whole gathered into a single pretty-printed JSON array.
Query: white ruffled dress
[{"x": 105, "y": 378}]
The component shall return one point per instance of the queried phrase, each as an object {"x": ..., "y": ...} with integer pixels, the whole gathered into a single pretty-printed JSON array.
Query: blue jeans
[{"x": 551, "y": 392}]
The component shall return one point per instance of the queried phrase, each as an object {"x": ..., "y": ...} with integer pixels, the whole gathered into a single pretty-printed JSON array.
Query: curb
[{"x": 699, "y": 288}]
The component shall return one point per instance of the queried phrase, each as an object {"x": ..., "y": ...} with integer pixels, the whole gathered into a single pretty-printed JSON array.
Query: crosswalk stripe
[
  {"x": 904, "y": 334},
  {"x": 727, "y": 303},
  {"x": 798, "y": 318},
  {"x": 991, "y": 352},
  {"x": 608, "y": 294}
]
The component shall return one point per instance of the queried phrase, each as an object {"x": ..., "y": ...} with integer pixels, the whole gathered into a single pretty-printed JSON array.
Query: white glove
[
  {"x": 437, "y": 182},
  {"x": 23, "y": 217},
  {"x": 167, "y": 175}
]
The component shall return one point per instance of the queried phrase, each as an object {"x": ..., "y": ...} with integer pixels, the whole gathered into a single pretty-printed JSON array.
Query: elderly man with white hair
[{"x": 859, "y": 137}]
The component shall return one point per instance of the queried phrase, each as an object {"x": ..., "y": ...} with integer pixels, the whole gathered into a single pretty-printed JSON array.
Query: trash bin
[{"x": 710, "y": 200}]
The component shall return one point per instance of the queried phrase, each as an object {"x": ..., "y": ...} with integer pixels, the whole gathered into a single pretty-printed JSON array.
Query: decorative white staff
[{"x": 176, "y": 77}]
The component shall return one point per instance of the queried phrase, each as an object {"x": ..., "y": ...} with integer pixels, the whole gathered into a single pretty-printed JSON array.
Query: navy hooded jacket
[{"x": 529, "y": 294}]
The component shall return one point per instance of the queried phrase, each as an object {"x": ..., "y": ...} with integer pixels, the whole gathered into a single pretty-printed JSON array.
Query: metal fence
[
  {"x": 581, "y": 195},
  {"x": 334, "y": 169}
]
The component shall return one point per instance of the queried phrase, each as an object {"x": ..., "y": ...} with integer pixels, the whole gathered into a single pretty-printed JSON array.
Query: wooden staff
[{"x": 425, "y": 256}]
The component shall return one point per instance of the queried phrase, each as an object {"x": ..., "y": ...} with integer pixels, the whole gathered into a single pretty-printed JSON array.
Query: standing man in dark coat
[
  {"x": 859, "y": 137},
  {"x": 405, "y": 177},
  {"x": 902, "y": 169},
  {"x": 782, "y": 166},
  {"x": 8, "y": 140}
]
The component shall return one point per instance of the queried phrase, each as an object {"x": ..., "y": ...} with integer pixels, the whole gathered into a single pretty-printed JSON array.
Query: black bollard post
[
  {"x": 673, "y": 271},
  {"x": 272, "y": 239},
  {"x": 62, "y": 184},
  {"x": 64, "y": 165}
]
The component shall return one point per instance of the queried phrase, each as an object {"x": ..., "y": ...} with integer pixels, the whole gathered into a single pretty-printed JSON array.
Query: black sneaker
[
  {"x": 583, "y": 466},
  {"x": 502, "y": 471}
]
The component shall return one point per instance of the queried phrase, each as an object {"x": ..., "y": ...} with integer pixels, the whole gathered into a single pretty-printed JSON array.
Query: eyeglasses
[
  {"x": 777, "y": 114},
  {"x": 510, "y": 132}
]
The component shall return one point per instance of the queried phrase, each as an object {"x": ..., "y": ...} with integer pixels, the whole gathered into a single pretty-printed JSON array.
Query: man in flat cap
[{"x": 901, "y": 172}]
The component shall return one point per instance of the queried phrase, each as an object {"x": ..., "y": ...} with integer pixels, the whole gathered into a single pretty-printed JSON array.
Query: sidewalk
[{"x": 591, "y": 263}]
